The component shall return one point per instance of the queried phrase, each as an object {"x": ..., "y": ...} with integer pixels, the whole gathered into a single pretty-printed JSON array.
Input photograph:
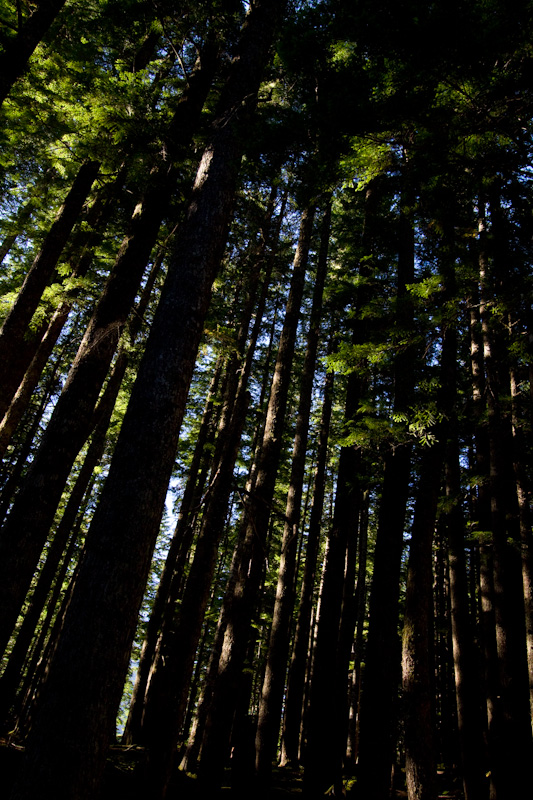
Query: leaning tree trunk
[
  {"x": 169, "y": 590},
  {"x": 172, "y": 574},
  {"x": 168, "y": 688},
  {"x": 24, "y": 534},
  {"x": 13, "y": 344},
  {"x": 65, "y": 754}
]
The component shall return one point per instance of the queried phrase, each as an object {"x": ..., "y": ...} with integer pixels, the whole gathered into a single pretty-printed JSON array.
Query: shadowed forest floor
[{"x": 123, "y": 778}]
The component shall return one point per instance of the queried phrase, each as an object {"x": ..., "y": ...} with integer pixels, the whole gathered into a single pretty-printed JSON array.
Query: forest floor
[{"x": 123, "y": 779}]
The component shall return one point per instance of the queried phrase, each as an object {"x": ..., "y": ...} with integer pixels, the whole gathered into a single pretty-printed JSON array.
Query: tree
[{"x": 161, "y": 386}]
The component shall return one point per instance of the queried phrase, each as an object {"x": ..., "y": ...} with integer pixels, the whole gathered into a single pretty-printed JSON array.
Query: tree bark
[{"x": 417, "y": 649}]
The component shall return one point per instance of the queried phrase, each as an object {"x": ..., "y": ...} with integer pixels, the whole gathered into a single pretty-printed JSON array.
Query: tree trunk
[
  {"x": 526, "y": 539},
  {"x": 270, "y": 706},
  {"x": 417, "y": 649},
  {"x": 169, "y": 590},
  {"x": 168, "y": 687},
  {"x": 510, "y": 724},
  {"x": 381, "y": 673},
  {"x": 465, "y": 658},
  {"x": 17, "y": 51},
  {"x": 172, "y": 576},
  {"x": 66, "y": 751},
  {"x": 27, "y": 527},
  {"x": 298, "y": 664},
  {"x": 324, "y": 746},
  {"x": 16, "y": 325},
  {"x": 240, "y": 596}
]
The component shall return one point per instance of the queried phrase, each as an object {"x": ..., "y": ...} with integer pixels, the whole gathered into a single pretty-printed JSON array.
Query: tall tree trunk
[
  {"x": 270, "y": 707},
  {"x": 465, "y": 659},
  {"x": 240, "y": 596},
  {"x": 381, "y": 674},
  {"x": 235, "y": 381},
  {"x": 352, "y": 745},
  {"x": 510, "y": 724},
  {"x": 417, "y": 649},
  {"x": 298, "y": 663},
  {"x": 66, "y": 751},
  {"x": 102, "y": 417},
  {"x": 24, "y": 534},
  {"x": 172, "y": 576},
  {"x": 526, "y": 539},
  {"x": 418, "y": 658},
  {"x": 168, "y": 687},
  {"x": 324, "y": 746}
]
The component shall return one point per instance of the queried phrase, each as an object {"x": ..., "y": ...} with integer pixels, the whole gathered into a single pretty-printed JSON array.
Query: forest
[{"x": 266, "y": 399}]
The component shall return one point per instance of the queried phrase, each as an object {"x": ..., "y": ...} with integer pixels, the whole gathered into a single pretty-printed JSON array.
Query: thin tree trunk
[
  {"x": 465, "y": 658},
  {"x": 352, "y": 746},
  {"x": 526, "y": 538},
  {"x": 240, "y": 596},
  {"x": 417, "y": 649},
  {"x": 270, "y": 706},
  {"x": 298, "y": 664}
]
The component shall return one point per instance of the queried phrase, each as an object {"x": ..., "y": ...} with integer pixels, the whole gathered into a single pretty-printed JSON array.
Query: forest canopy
[{"x": 266, "y": 398}]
